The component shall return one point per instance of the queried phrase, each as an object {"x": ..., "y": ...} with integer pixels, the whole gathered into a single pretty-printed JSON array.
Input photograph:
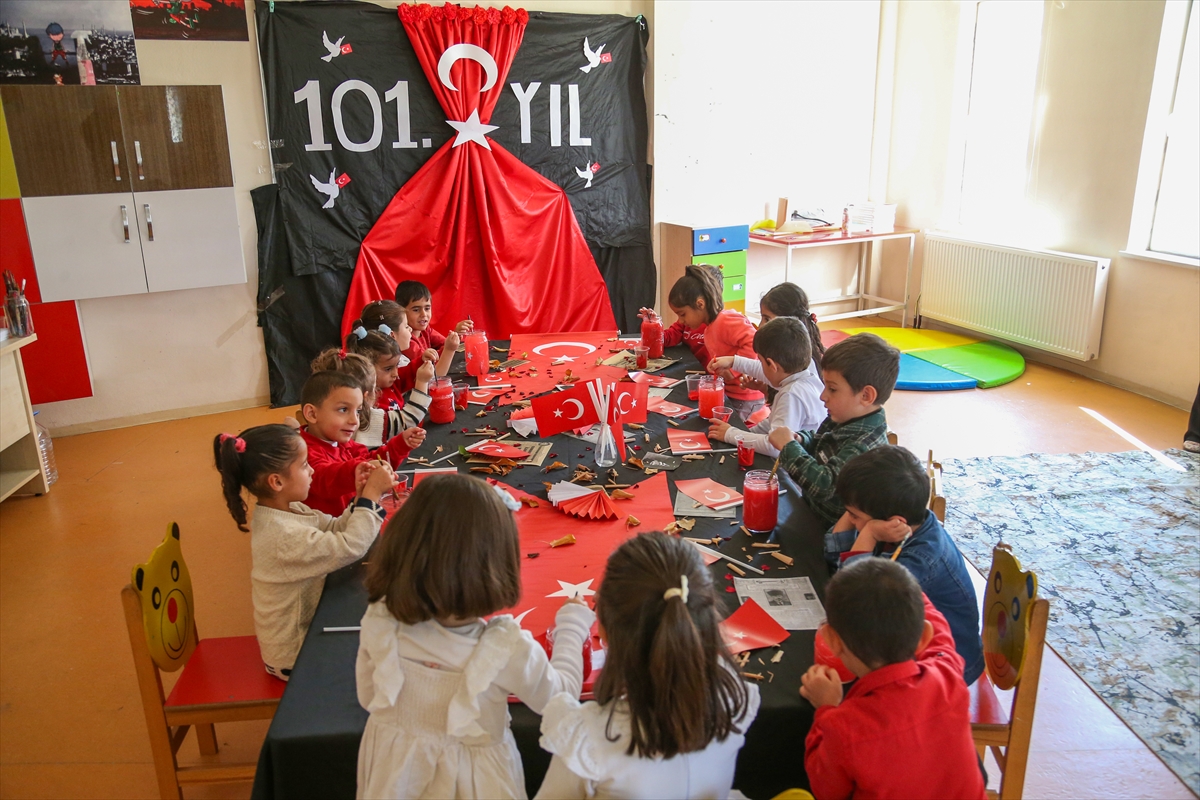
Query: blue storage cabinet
[{"x": 724, "y": 247}]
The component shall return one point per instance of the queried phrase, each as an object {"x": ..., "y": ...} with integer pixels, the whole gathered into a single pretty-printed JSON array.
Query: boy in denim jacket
[{"x": 886, "y": 491}]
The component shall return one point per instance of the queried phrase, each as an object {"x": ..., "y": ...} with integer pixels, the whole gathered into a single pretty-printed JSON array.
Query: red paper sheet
[
  {"x": 659, "y": 381},
  {"x": 685, "y": 442},
  {"x": 667, "y": 408},
  {"x": 542, "y": 349},
  {"x": 750, "y": 627},
  {"x": 497, "y": 450},
  {"x": 709, "y": 492},
  {"x": 559, "y": 572},
  {"x": 483, "y": 396}
]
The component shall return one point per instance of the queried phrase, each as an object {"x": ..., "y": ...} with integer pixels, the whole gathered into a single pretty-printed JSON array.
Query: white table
[
  {"x": 867, "y": 240},
  {"x": 20, "y": 457}
]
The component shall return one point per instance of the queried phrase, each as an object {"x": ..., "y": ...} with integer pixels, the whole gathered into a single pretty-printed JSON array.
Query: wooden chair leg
[{"x": 206, "y": 737}]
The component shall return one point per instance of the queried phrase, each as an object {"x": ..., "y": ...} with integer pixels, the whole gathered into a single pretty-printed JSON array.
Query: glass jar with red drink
[
  {"x": 441, "y": 401},
  {"x": 652, "y": 334},
  {"x": 462, "y": 393},
  {"x": 712, "y": 395},
  {"x": 760, "y": 501},
  {"x": 476, "y": 346}
]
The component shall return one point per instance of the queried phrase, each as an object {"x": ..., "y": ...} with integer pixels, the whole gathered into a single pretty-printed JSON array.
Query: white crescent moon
[
  {"x": 724, "y": 495},
  {"x": 495, "y": 448},
  {"x": 587, "y": 348},
  {"x": 689, "y": 444},
  {"x": 493, "y": 377},
  {"x": 578, "y": 405},
  {"x": 620, "y": 407},
  {"x": 473, "y": 53},
  {"x": 669, "y": 408},
  {"x": 484, "y": 393}
]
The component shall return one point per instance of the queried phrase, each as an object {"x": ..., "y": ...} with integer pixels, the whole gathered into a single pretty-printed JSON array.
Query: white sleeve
[
  {"x": 534, "y": 678},
  {"x": 364, "y": 676},
  {"x": 561, "y": 782},
  {"x": 749, "y": 366}
]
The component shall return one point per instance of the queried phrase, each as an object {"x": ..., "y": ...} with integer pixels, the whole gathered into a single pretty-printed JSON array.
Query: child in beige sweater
[{"x": 293, "y": 546}]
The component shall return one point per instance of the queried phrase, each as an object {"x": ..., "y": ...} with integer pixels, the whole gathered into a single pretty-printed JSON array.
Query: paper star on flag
[
  {"x": 564, "y": 358},
  {"x": 574, "y": 589},
  {"x": 558, "y": 412},
  {"x": 472, "y": 130}
]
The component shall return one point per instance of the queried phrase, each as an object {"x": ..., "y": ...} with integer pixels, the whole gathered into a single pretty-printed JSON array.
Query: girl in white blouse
[
  {"x": 671, "y": 711},
  {"x": 434, "y": 675}
]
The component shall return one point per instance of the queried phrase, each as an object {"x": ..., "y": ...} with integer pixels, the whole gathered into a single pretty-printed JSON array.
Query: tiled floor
[{"x": 71, "y": 722}]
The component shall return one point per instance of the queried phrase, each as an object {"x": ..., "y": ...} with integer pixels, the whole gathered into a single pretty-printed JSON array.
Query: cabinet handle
[
  {"x": 137, "y": 151},
  {"x": 116, "y": 161},
  {"x": 125, "y": 221},
  {"x": 149, "y": 222}
]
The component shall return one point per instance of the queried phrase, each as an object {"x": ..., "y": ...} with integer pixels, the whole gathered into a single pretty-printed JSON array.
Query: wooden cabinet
[
  {"x": 126, "y": 189},
  {"x": 723, "y": 247},
  {"x": 20, "y": 456}
]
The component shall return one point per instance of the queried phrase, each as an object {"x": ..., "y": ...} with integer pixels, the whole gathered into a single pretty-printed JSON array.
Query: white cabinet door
[
  {"x": 190, "y": 238},
  {"x": 85, "y": 246}
]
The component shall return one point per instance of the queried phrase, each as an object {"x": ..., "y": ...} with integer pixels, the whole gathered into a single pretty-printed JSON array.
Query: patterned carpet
[{"x": 1115, "y": 540}]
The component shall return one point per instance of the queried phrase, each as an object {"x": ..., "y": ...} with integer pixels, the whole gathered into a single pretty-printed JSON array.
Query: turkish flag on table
[
  {"x": 627, "y": 402},
  {"x": 684, "y": 442},
  {"x": 577, "y": 352},
  {"x": 565, "y": 410},
  {"x": 751, "y": 627},
  {"x": 710, "y": 493},
  {"x": 558, "y": 573},
  {"x": 488, "y": 235},
  {"x": 497, "y": 450}
]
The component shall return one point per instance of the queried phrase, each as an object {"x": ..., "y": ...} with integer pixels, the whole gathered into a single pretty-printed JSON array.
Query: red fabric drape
[{"x": 487, "y": 234}]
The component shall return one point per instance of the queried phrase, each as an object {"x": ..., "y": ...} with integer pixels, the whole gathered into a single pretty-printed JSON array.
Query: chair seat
[
  {"x": 225, "y": 670},
  {"x": 986, "y": 708}
]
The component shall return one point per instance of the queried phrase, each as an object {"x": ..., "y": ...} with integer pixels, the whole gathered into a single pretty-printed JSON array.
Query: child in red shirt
[
  {"x": 417, "y": 302},
  {"x": 330, "y": 403},
  {"x": 680, "y": 333},
  {"x": 696, "y": 300},
  {"x": 904, "y": 728}
]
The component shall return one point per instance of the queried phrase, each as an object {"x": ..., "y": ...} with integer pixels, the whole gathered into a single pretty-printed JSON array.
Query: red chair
[{"x": 223, "y": 680}]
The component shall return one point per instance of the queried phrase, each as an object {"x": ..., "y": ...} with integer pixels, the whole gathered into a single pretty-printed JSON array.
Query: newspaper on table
[{"x": 792, "y": 602}]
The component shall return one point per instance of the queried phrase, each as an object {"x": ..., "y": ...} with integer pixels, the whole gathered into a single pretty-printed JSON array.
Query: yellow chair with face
[
  {"x": 222, "y": 680},
  {"x": 1014, "y": 636}
]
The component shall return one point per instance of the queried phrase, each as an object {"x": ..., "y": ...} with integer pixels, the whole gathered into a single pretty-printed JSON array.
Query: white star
[
  {"x": 565, "y": 358},
  {"x": 738, "y": 635},
  {"x": 472, "y": 130},
  {"x": 558, "y": 412},
  {"x": 573, "y": 589}
]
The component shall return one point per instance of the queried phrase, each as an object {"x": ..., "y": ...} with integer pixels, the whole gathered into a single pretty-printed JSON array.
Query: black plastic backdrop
[{"x": 299, "y": 239}]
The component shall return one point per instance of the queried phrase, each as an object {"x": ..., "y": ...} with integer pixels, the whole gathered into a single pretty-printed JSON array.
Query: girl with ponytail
[
  {"x": 671, "y": 710},
  {"x": 292, "y": 546}
]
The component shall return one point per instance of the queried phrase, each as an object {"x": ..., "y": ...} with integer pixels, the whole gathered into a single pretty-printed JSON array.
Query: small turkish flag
[
  {"x": 347, "y": 49},
  {"x": 606, "y": 58},
  {"x": 751, "y": 627},
  {"x": 628, "y": 402},
  {"x": 562, "y": 411},
  {"x": 342, "y": 179}
]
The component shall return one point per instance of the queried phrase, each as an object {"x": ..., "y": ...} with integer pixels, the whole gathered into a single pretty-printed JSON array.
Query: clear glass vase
[{"x": 606, "y": 451}]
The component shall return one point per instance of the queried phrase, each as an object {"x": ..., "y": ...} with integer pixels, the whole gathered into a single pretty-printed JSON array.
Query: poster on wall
[
  {"x": 190, "y": 19},
  {"x": 67, "y": 42}
]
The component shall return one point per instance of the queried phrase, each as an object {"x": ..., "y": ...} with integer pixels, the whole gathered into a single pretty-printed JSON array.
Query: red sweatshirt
[
  {"x": 406, "y": 377},
  {"x": 693, "y": 336},
  {"x": 731, "y": 334},
  {"x": 390, "y": 399},
  {"x": 903, "y": 730},
  {"x": 333, "y": 466}
]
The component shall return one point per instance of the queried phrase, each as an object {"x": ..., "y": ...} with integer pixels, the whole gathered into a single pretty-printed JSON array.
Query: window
[
  {"x": 999, "y": 48},
  {"x": 1166, "y": 208}
]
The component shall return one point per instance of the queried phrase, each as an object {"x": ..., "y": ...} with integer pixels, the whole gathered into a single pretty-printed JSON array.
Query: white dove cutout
[
  {"x": 335, "y": 48},
  {"x": 586, "y": 174},
  {"x": 332, "y": 189},
  {"x": 593, "y": 57}
]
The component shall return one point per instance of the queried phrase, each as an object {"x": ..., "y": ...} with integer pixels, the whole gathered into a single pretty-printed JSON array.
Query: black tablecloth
[{"x": 311, "y": 749}]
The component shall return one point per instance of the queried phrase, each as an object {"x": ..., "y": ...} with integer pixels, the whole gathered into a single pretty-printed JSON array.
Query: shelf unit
[{"x": 20, "y": 458}]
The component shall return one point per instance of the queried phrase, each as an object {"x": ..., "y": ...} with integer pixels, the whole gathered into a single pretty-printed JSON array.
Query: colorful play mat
[{"x": 937, "y": 361}]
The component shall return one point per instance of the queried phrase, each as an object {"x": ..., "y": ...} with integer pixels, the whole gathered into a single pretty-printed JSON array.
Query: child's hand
[
  {"x": 576, "y": 600},
  {"x": 430, "y": 354},
  {"x": 844, "y": 523},
  {"x": 892, "y": 529},
  {"x": 451, "y": 342},
  {"x": 413, "y": 437},
  {"x": 463, "y": 327},
  {"x": 780, "y": 436},
  {"x": 717, "y": 431},
  {"x": 728, "y": 376},
  {"x": 424, "y": 376},
  {"x": 647, "y": 313},
  {"x": 754, "y": 384},
  {"x": 821, "y": 686},
  {"x": 379, "y": 481},
  {"x": 361, "y": 473},
  {"x": 717, "y": 364}
]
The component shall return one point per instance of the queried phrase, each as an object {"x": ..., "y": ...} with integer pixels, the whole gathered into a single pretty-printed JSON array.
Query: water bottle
[{"x": 46, "y": 448}]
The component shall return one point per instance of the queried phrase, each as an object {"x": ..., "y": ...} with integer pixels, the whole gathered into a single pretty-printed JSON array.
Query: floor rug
[{"x": 1115, "y": 540}]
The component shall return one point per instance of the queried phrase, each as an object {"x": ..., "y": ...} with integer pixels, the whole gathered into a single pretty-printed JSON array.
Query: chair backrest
[
  {"x": 163, "y": 589},
  {"x": 892, "y": 438},
  {"x": 937, "y": 502}
]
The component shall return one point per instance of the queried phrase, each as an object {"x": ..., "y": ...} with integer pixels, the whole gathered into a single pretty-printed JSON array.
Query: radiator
[{"x": 1040, "y": 298}]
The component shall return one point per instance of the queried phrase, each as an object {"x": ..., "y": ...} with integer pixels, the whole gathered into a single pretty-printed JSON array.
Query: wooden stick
[
  {"x": 342, "y": 629},
  {"x": 724, "y": 557},
  {"x": 785, "y": 559},
  {"x": 764, "y": 545},
  {"x": 737, "y": 569}
]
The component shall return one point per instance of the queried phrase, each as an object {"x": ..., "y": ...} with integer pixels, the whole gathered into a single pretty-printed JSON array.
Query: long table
[{"x": 311, "y": 748}]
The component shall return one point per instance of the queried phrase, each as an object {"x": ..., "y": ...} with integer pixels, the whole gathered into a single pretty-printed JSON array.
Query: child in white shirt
[
  {"x": 293, "y": 547},
  {"x": 671, "y": 711},
  {"x": 435, "y": 676},
  {"x": 785, "y": 362}
]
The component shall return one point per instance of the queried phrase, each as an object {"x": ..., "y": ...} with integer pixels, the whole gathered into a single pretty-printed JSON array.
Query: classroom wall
[
  {"x": 760, "y": 100},
  {"x": 1098, "y": 66},
  {"x": 175, "y": 354}
]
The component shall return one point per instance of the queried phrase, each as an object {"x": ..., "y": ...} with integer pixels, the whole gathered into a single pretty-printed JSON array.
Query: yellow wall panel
[{"x": 8, "y": 170}]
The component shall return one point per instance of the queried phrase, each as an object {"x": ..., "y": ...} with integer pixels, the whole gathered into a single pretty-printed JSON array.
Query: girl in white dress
[
  {"x": 671, "y": 711},
  {"x": 434, "y": 675}
]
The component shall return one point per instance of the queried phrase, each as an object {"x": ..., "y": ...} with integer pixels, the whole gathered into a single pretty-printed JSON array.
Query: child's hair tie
[
  {"x": 341, "y": 354},
  {"x": 383, "y": 328},
  {"x": 680, "y": 591},
  {"x": 239, "y": 444},
  {"x": 360, "y": 332}
]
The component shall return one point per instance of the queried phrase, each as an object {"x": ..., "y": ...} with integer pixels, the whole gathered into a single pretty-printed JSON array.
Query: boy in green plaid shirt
[{"x": 860, "y": 373}]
